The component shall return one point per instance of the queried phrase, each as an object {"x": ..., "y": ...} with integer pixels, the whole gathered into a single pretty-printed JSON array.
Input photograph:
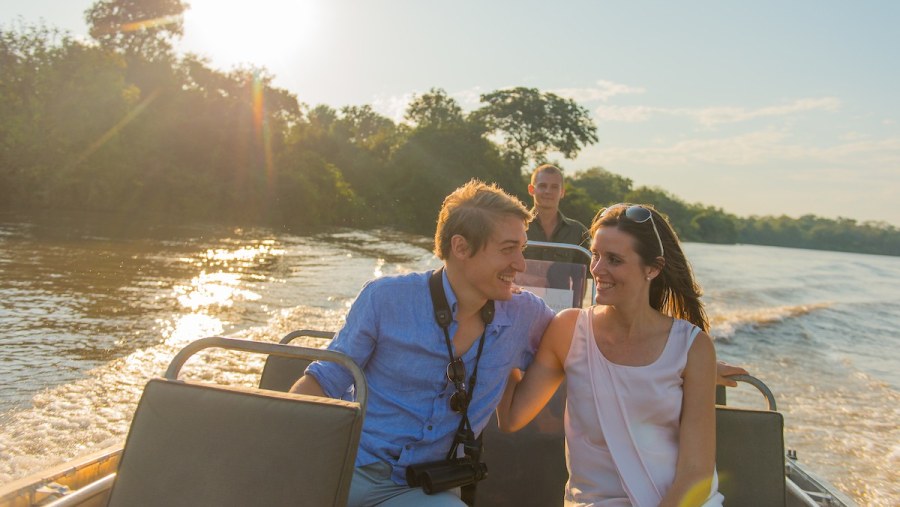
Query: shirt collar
[
  {"x": 501, "y": 317},
  {"x": 561, "y": 219}
]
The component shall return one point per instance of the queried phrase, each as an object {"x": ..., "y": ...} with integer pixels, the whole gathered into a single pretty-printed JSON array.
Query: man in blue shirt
[{"x": 392, "y": 334}]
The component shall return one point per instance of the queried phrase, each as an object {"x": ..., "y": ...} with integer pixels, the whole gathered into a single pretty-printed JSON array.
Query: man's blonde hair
[{"x": 471, "y": 211}]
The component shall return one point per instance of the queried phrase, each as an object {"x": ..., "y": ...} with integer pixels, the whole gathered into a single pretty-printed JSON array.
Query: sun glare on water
[{"x": 262, "y": 32}]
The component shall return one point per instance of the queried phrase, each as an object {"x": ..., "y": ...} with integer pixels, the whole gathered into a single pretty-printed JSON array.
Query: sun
[{"x": 261, "y": 32}]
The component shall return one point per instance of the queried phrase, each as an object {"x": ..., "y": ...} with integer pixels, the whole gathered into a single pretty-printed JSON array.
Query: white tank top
[{"x": 650, "y": 397}]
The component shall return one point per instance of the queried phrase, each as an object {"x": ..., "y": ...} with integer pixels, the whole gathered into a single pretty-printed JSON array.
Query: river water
[{"x": 91, "y": 307}]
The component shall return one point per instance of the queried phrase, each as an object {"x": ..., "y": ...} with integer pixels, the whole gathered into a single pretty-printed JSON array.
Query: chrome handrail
[
  {"x": 758, "y": 384},
  {"x": 272, "y": 349}
]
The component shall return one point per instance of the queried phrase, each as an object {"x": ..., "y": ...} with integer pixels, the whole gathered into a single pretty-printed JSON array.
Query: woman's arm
[
  {"x": 526, "y": 395},
  {"x": 697, "y": 434},
  {"x": 725, "y": 370}
]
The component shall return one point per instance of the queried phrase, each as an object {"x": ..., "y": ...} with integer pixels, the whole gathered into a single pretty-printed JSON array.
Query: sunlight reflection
[
  {"x": 191, "y": 327},
  {"x": 244, "y": 253},
  {"x": 149, "y": 23},
  {"x": 208, "y": 289}
]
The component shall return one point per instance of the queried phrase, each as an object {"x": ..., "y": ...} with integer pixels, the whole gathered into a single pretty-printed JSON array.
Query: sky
[{"x": 759, "y": 108}]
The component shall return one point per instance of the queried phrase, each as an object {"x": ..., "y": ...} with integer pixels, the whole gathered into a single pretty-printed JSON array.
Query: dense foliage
[
  {"x": 121, "y": 125},
  {"x": 588, "y": 191}
]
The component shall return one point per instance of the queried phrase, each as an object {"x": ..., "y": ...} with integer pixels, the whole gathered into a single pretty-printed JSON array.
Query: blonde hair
[{"x": 471, "y": 211}]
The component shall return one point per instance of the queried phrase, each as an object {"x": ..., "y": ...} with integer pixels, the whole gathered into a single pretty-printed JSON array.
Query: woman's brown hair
[{"x": 674, "y": 291}]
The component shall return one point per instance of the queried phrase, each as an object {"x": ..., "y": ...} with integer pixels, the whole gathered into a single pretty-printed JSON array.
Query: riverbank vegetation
[{"x": 121, "y": 124}]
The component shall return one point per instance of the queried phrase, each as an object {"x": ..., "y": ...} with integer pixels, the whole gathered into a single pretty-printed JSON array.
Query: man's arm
[{"x": 308, "y": 385}]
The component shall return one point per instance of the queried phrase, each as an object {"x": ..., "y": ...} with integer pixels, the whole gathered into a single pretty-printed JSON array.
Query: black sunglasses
[
  {"x": 456, "y": 373},
  {"x": 639, "y": 214}
]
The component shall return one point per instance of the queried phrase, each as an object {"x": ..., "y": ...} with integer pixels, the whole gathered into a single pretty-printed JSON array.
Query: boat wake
[{"x": 724, "y": 325}]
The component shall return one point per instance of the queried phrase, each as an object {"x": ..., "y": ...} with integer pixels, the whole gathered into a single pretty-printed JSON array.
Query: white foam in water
[
  {"x": 95, "y": 412},
  {"x": 725, "y": 324}
]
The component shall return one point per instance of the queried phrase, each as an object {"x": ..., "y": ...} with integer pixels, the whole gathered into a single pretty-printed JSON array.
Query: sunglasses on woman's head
[{"x": 639, "y": 214}]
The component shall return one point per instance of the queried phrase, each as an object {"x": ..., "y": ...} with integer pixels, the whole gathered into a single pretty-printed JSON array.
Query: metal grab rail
[
  {"x": 272, "y": 349},
  {"x": 758, "y": 384},
  {"x": 82, "y": 496},
  {"x": 311, "y": 333},
  {"x": 563, "y": 246}
]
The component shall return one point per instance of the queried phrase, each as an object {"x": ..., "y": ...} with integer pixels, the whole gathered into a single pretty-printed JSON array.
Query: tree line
[{"x": 120, "y": 124}]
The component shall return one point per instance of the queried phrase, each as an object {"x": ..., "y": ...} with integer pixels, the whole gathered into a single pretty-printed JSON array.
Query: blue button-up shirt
[{"x": 392, "y": 335}]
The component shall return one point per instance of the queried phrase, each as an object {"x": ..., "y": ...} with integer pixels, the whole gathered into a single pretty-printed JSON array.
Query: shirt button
[
  {"x": 429, "y": 427},
  {"x": 408, "y": 447}
]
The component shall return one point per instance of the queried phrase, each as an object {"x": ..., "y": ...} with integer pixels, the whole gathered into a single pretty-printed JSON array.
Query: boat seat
[
  {"x": 750, "y": 453},
  {"x": 528, "y": 467},
  {"x": 198, "y": 444},
  {"x": 279, "y": 372}
]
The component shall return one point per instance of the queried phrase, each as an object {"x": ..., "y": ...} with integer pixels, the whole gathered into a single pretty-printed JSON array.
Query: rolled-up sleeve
[
  {"x": 356, "y": 339},
  {"x": 540, "y": 315}
]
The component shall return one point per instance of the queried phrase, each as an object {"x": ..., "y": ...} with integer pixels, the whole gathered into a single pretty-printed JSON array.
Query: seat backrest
[
  {"x": 750, "y": 456},
  {"x": 279, "y": 372},
  {"x": 198, "y": 444},
  {"x": 193, "y": 444},
  {"x": 527, "y": 467}
]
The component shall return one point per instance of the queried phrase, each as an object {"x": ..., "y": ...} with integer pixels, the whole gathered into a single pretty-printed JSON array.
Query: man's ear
[
  {"x": 459, "y": 246},
  {"x": 530, "y": 189}
]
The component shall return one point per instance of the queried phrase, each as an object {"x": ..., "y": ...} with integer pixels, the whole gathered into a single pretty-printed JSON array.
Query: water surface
[{"x": 92, "y": 308}]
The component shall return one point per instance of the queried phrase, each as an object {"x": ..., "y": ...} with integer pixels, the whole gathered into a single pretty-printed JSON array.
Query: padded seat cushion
[
  {"x": 750, "y": 456},
  {"x": 195, "y": 444}
]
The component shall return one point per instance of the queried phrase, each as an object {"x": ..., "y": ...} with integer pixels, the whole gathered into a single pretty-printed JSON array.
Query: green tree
[
  {"x": 714, "y": 226},
  {"x": 675, "y": 209},
  {"x": 531, "y": 123},
  {"x": 365, "y": 128},
  {"x": 59, "y": 102},
  {"x": 602, "y": 186},
  {"x": 578, "y": 204},
  {"x": 144, "y": 28},
  {"x": 434, "y": 109},
  {"x": 429, "y": 165}
]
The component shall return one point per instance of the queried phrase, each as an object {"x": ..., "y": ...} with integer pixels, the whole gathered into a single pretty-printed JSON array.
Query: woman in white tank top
[{"x": 640, "y": 410}]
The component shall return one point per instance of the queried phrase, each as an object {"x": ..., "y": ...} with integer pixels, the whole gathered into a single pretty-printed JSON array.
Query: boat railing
[{"x": 760, "y": 386}]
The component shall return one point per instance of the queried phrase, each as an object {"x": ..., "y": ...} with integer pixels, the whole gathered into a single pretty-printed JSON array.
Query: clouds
[
  {"x": 604, "y": 91},
  {"x": 804, "y": 154},
  {"x": 807, "y": 154},
  {"x": 715, "y": 115},
  {"x": 759, "y": 147}
]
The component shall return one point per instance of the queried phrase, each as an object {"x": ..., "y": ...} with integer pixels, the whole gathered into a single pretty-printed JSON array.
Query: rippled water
[{"x": 90, "y": 309}]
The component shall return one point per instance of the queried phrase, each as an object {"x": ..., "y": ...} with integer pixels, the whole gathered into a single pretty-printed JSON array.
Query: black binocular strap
[{"x": 444, "y": 317}]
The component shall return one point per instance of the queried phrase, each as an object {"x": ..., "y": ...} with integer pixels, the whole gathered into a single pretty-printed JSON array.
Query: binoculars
[{"x": 437, "y": 476}]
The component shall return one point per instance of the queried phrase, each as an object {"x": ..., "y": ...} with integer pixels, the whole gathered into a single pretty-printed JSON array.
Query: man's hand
[{"x": 725, "y": 370}]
